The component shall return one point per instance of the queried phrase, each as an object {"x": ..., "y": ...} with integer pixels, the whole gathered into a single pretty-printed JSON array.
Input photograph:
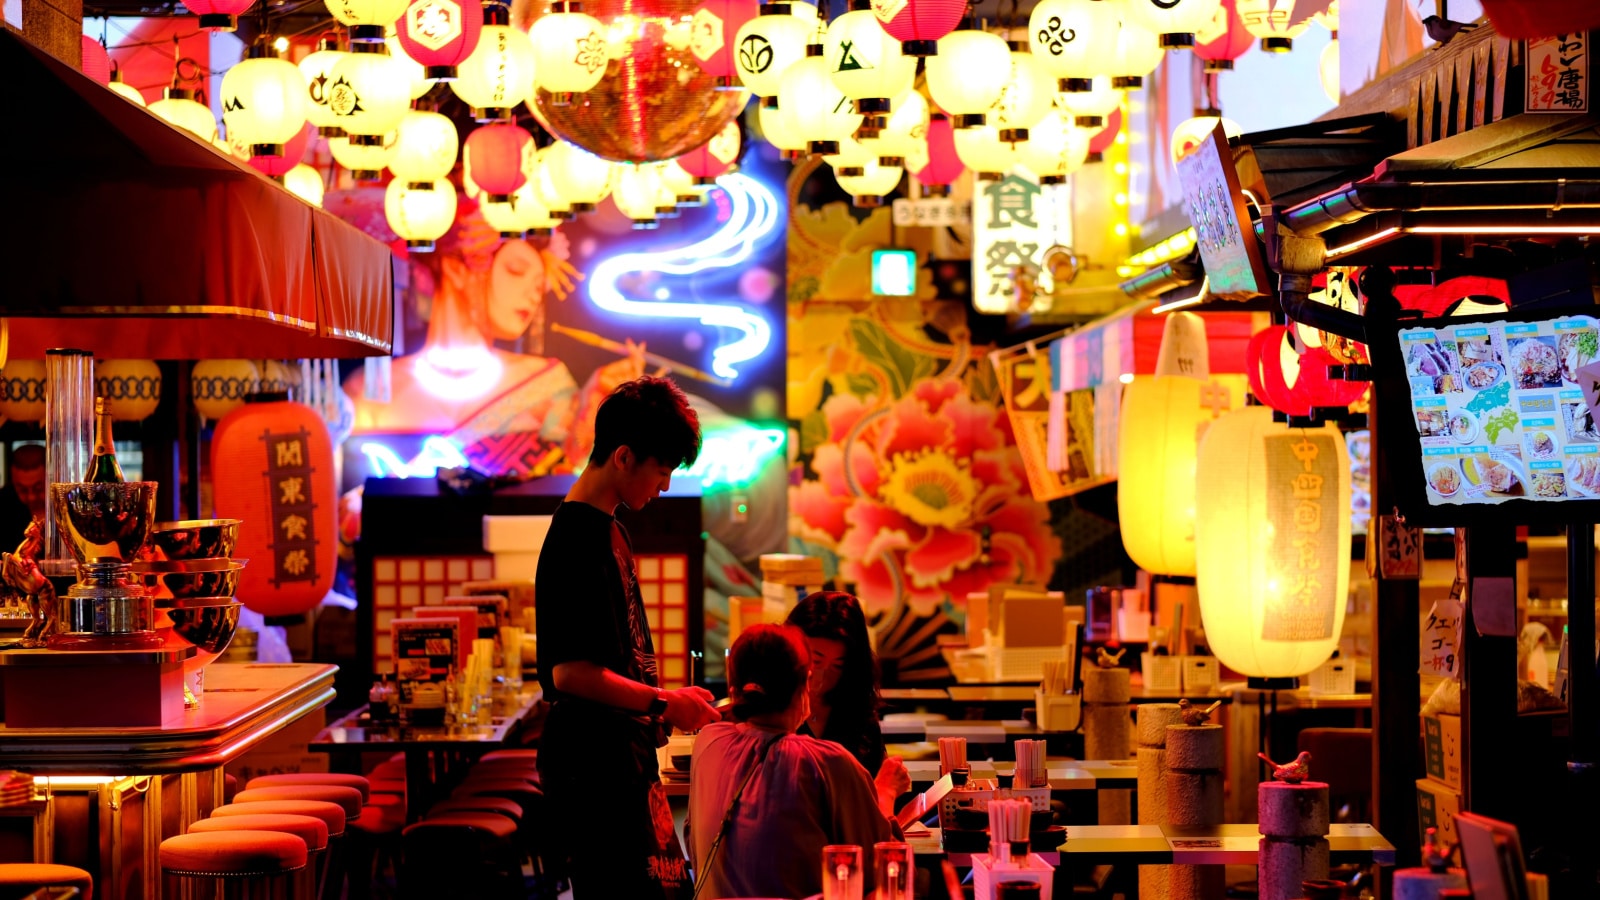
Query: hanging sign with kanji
[
  {"x": 1014, "y": 221},
  {"x": 1558, "y": 73},
  {"x": 1215, "y": 205},
  {"x": 294, "y": 539},
  {"x": 1303, "y": 489}
]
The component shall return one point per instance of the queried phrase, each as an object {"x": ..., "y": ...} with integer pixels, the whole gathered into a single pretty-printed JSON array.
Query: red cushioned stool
[
  {"x": 530, "y": 754},
  {"x": 347, "y": 797},
  {"x": 246, "y": 864},
  {"x": 462, "y": 853},
  {"x": 311, "y": 830},
  {"x": 296, "y": 778},
  {"x": 21, "y": 879},
  {"x": 497, "y": 805},
  {"x": 331, "y": 876},
  {"x": 230, "y": 786},
  {"x": 528, "y": 796}
]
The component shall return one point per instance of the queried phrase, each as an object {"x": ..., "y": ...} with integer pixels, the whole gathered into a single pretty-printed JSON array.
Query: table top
[
  {"x": 1210, "y": 845},
  {"x": 243, "y": 704},
  {"x": 1017, "y": 693},
  {"x": 354, "y": 732},
  {"x": 925, "y": 842},
  {"x": 1300, "y": 698},
  {"x": 1065, "y": 774},
  {"x": 977, "y": 731}
]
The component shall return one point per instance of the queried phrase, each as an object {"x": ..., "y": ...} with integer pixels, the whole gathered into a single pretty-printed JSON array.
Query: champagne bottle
[{"x": 103, "y": 468}]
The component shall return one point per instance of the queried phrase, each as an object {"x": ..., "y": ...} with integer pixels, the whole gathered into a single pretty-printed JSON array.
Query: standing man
[
  {"x": 22, "y": 501},
  {"x": 597, "y": 664}
]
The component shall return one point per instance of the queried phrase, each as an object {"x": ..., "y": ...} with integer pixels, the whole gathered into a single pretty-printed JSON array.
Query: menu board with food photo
[{"x": 1499, "y": 412}]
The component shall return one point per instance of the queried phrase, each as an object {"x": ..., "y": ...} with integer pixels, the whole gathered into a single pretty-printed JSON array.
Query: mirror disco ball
[{"x": 654, "y": 102}]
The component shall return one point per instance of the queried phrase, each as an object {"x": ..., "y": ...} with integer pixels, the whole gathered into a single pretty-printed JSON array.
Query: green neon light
[{"x": 735, "y": 456}]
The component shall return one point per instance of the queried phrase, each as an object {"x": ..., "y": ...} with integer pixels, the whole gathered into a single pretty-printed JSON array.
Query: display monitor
[{"x": 1489, "y": 420}]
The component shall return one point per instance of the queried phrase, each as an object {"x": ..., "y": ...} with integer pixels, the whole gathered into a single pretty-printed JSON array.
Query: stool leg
[{"x": 330, "y": 878}]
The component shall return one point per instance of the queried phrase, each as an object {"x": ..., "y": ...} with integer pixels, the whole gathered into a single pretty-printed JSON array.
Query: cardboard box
[
  {"x": 515, "y": 534},
  {"x": 1437, "y": 806},
  {"x": 1441, "y": 737}
]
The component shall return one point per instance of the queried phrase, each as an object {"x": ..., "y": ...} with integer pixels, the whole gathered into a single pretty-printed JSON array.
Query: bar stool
[
  {"x": 530, "y": 754},
  {"x": 230, "y": 786},
  {"x": 496, "y": 805},
  {"x": 246, "y": 864},
  {"x": 527, "y": 796},
  {"x": 18, "y": 880},
  {"x": 331, "y": 878},
  {"x": 436, "y": 854},
  {"x": 340, "y": 779},
  {"x": 347, "y": 797},
  {"x": 311, "y": 830}
]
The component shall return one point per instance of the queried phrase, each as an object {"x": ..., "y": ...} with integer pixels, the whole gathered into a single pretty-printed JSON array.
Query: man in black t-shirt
[{"x": 597, "y": 665}]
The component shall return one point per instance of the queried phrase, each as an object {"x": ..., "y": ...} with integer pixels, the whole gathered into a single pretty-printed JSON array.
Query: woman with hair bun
[{"x": 766, "y": 800}]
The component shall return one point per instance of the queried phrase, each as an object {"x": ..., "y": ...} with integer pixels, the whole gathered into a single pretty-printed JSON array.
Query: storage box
[
  {"x": 1441, "y": 738},
  {"x": 1057, "y": 712},
  {"x": 1336, "y": 676},
  {"x": 1199, "y": 674},
  {"x": 1161, "y": 673},
  {"x": 1437, "y": 805},
  {"x": 985, "y": 876},
  {"x": 515, "y": 534},
  {"x": 94, "y": 688}
]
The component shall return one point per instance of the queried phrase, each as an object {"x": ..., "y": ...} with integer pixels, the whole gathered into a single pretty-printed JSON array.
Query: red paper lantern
[
  {"x": 919, "y": 23},
  {"x": 1105, "y": 137},
  {"x": 944, "y": 165},
  {"x": 1319, "y": 390},
  {"x": 293, "y": 152},
  {"x": 218, "y": 15},
  {"x": 1225, "y": 41},
  {"x": 1263, "y": 365},
  {"x": 713, "y": 27},
  {"x": 1522, "y": 19},
  {"x": 1436, "y": 301},
  {"x": 714, "y": 157},
  {"x": 96, "y": 62},
  {"x": 440, "y": 34},
  {"x": 495, "y": 154},
  {"x": 1298, "y": 391},
  {"x": 272, "y": 467}
]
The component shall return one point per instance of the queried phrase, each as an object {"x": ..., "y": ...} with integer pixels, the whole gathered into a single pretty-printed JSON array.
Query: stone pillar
[
  {"x": 1151, "y": 730},
  {"x": 1107, "y": 733},
  {"x": 56, "y": 27},
  {"x": 1294, "y": 844},
  {"x": 1195, "y": 755}
]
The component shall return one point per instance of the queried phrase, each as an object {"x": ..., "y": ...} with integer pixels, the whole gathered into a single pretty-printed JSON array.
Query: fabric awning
[{"x": 131, "y": 238}]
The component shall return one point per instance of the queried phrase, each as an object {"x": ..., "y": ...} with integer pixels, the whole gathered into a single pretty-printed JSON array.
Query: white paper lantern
[
  {"x": 178, "y": 107},
  {"x": 636, "y": 190},
  {"x": 368, "y": 93},
  {"x": 316, "y": 69},
  {"x": 779, "y": 128},
  {"x": 1138, "y": 53},
  {"x": 868, "y": 184},
  {"x": 546, "y": 189},
  {"x": 366, "y": 162},
  {"x": 581, "y": 178},
  {"x": 819, "y": 109},
  {"x": 1089, "y": 100},
  {"x": 500, "y": 72},
  {"x": 127, "y": 91},
  {"x": 306, "y": 183},
  {"x": 865, "y": 63},
  {"x": 1175, "y": 21},
  {"x": 417, "y": 82},
  {"x": 264, "y": 103},
  {"x": 685, "y": 190},
  {"x": 220, "y": 386},
  {"x": 1054, "y": 148},
  {"x": 569, "y": 51},
  {"x": 1273, "y": 21},
  {"x": 367, "y": 18},
  {"x": 1029, "y": 94},
  {"x": 1074, "y": 38},
  {"x": 426, "y": 146},
  {"x": 901, "y": 133},
  {"x": 420, "y": 212},
  {"x": 968, "y": 74},
  {"x": 769, "y": 44},
  {"x": 982, "y": 151}
]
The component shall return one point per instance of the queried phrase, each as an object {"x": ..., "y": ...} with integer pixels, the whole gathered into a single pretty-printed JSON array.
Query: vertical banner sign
[
  {"x": 294, "y": 538},
  {"x": 1025, "y": 385},
  {"x": 1014, "y": 221},
  {"x": 1303, "y": 507},
  {"x": 1558, "y": 73},
  {"x": 1215, "y": 205}
]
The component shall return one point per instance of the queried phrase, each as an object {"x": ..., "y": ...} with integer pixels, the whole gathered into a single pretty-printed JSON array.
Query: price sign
[
  {"x": 1440, "y": 630},
  {"x": 1558, "y": 74},
  {"x": 930, "y": 212}
]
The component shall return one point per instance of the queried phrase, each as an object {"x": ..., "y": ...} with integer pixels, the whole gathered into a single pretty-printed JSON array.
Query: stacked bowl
[{"x": 192, "y": 574}]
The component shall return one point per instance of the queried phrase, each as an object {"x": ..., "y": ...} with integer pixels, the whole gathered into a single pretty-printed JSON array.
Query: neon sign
[
  {"x": 437, "y": 453},
  {"x": 753, "y": 215}
]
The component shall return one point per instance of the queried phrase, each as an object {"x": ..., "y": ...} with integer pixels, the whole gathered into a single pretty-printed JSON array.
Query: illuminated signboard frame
[{"x": 1214, "y": 203}]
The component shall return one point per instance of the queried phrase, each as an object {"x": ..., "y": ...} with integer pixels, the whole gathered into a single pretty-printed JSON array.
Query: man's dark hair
[{"x": 652, "y": 417}]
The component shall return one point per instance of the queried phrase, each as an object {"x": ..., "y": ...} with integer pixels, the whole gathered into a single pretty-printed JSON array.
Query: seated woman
[
  {"x": 844, "y": 687},
  {"x": 768, "y": 800}
]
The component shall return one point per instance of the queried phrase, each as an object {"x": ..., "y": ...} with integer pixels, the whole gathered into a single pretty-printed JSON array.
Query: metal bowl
[
  {"x": 205, "y": 623},
  {"x": 195, "y": 538},
  {"x": 223, "y": 582},
  {"x": 104, "y": 522}
]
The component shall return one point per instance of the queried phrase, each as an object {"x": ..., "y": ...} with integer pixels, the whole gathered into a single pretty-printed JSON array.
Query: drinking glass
[
  {"x": 841, "y": 872},
  {"x": 892, "y": 870}
]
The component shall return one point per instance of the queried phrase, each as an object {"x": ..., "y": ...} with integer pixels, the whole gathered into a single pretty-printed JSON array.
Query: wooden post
[
  {"x": 1581, "y": 763},
  {"x": 1489, "y": 673}
]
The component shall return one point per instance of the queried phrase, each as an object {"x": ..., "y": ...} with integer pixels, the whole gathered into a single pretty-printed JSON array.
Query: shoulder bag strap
[{"x": 727, "y": 818}]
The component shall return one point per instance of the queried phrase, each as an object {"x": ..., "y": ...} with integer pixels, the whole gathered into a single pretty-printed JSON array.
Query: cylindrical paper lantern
[
  {"x": 1272, "y": 543},
  {"x": 1274, "y": 22},
  {"x": 272, "y": 465},
  {"x": 369, "y": 93},
  {"x": 499, "y": 74},
  {"x": 1156, "y": 447},
  {"x": 969, "y": 74},
  {"x": 816, "y": 105},
  {"x": 365, "y": 162},
  {"x": 772, "y": 42},
  {"x": 220, "y": 386},
  {"x": 713, "y": 37},
  {"x": 1224, "y": 40},
  {"x": 22, "y": 384},
  {"x": 425, "y": 148},
  {"x": 496, "y": 153},
  {"x": 582, "y": 178},
  {"x": 1075, "y": 39},
  {"x": 317, "y": 68},
  {"x": 944, "y": 165},
  {"x": 306, "y": 183},
  {"x": 218, "y": 15},
  {"x": 1176, "y": 21},
  {"x": 569, "y": 54},
  {"x": 264, "y": 103},
  {"x": 919, "y": 24},
  {"x": 865, "y": 62},
  {"x": 713, "y": 158},
  {"x": 131, "y": 387},
  {"x": 420, "y": 211},
  {"x": 96, "y": 62},
  {"x": 440, "y": 34}
]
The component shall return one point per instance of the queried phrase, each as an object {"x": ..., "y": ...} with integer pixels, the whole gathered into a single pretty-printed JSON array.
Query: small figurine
[
  {"x": 1194, "y": 716},
  {"x": 1109, "y": 660},
  {"x": 1292, "y": 773},
  {"x": 1435, "y": 855},
  {"x": 19, "y": 571}
]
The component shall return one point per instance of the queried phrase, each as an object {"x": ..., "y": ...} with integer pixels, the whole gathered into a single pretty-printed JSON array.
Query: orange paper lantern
[{"x": 272, "y": 463}]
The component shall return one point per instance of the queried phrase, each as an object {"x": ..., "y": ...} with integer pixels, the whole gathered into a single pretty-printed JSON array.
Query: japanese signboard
[
  {"x": 1215, "y": 206},
  {"x": 1025, "y": 385},
  {"x": 932, "y": 212},
  {"x": 294, "y": 538},
  {"x": 424, "y": 649},
  {"x": 1437, "y": 652},
  {"x": 1558, "y": 73},
  {"x": 1302, "y": 505},
  {"x": 1014, "y": 221}
]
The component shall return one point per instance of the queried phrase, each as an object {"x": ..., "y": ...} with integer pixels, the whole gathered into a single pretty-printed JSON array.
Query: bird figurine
[
  {"x": 1194, "y": 716},
  {"x": 1442, "y": 30},
  {"x": 1291, "y": 773},
  {"x": 1435, "y": 853},
  {"x": 1109, "y": 660}
]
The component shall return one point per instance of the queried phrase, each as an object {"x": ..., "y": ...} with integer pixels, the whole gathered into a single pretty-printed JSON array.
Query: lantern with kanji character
[
  {"x": 317, "y": 67},
  {"x": 1272, "y": 543},
  {"x": 499, "y": 74},
  {"x": 1029, "y": 94},
  {"x": 713, "y": 38},
  {"x": 272, "y": 466},
  {"x": 865, "y": 62},
  {"x": 368, "y": 93},
  {"x": 440, "y": 34}
]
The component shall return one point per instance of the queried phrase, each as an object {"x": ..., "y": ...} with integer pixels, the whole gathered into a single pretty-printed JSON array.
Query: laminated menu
[
  {"x": 425, "y": 650},
  {"x": 1499, "y": 411}
]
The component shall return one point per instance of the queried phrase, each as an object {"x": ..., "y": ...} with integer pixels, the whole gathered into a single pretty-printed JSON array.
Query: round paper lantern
[
  {"x": 1272, "y": 543},
  {"x": 1054, "y": 148},
  {"x": 440, "y": 34},
  {"x": 519, "y": 216},
  {"x": 368, "y": 93},
  {"x": 635, "y": 190},
  {"x": 1105, "y": 137},
  {"x": 126, "y": 90},
  {"x": 218, "y": 15},
  {"x": 272, "y": 468},
  {"x": 416, "y": 74},
  {"x": 713, "y": 158},
  {"x": 219, "y": 386},
  {"x": 582, "y": 178},
  {"x": 569, "y": 53},
  {"x": 1074, "y": 38},
  {"x": 1157, "y": 442},
  {"x": 367, "y": 19},
  {"x": 499, "y": 74},
  {"x": 865, "y": 63},
  {"x": 817, "y": 105},
  {"x": 684, "y": 187},
  {"x": 869, "y": 183},
  {"x": 306, "y": 183},
  {"x": 713, "y": 38},
  {"x": 654, "y": 102},
  {"x": 316, "y": 69},
  {"x": 263, "y": 103},
  {"x": 1191, "y": 133},
  {"x": 779, "y": 129},
  {"x": 22, "y": 390},
  {"x": 496, "y": 153},
  {"x": 1176, "y": 21},
  {"x": 1028, "y": 95},
  {"x": 293, "y": 151},
  {"x": 903, "y": 133},
  {"x": 178, "y": 107},
  {"x": 944, "y": 164},
  {"x": 1273, "y": 21},
  {"x": 1224, "y": 40},
  {"x": 772, "y": 42},
  {"x": 1328, "y": 69},
  {"x": 1138, "y": 53},
  {"x": 919, "y": 24},
  {"x": 425, "y": 148},
  {"x": 545, "y": 187},
  {"x": 96, "y": 62},
  {"x": 420, "y": 211},
  {"x": 982, "y": 151},
  {"x": 969, "y": 74},
  {"x": 1266, "y": 357},
  {"x": 1089, "y": 100},
  {"x": 365, "y": 162}
]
